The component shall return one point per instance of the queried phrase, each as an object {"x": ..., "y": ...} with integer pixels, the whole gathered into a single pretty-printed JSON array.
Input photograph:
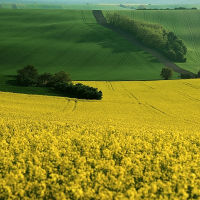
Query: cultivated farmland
[
  {"x": 64, "y": 6},
  {"x": 141, "y": 141},
  {"x": 184, "y": 23},
  {"x": 70, "y": 40}
]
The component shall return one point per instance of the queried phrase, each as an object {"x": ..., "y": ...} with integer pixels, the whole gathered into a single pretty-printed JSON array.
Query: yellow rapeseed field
[{"x": 141, "y": 141}]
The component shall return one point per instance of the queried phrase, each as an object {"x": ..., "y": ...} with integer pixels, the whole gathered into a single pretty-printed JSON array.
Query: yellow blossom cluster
[{"x": 141, "y": 141}]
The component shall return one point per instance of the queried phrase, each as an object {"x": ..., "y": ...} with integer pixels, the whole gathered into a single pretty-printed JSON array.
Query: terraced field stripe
[
  {"x": 7, "y": 6},
  {"x": 158, "y": 17},
  {"x": 185, "y": 17}
]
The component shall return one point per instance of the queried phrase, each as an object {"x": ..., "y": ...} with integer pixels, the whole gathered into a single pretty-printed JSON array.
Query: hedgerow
[
  {"x": 152, "y": 35},
  {"x": 79, "y": 90},
  {"x": 28, "y": 76}
]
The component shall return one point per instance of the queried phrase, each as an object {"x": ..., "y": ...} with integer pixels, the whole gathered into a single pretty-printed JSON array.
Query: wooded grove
[{"x": 152, "y": 35}]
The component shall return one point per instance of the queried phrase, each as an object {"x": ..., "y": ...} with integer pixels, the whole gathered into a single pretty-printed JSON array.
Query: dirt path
[{"x": 164, "y": 60}]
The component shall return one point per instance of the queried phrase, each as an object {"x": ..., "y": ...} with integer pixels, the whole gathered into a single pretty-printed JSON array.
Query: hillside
[
  {"x": 70, "y": 40},
  {"x": 59, "y": 6},
  {"x": 185, "y": 23},
  {"x": 141, "y": 139}
]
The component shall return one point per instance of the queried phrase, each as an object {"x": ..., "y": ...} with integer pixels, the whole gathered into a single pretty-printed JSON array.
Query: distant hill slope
[
  {"x": 61, "y": 6},
  {"x": 185, "y": 23},
  {"x": 70, "y": 40}
]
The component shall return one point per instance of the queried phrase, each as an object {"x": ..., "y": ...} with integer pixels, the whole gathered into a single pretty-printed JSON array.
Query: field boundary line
[
  {"x": 188, "y": 96},
  {"x": 146, "y": 85}
]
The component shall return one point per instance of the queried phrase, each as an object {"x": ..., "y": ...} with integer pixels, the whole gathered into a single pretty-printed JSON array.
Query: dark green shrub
[
  {"x": 198, "y": 74},
  {"x": 167, "y": 73},
  {"x": 171, "y": 54},
  {"x": 60, "y": 77},
  {"x": 79, "y": 90},
  {"x": 180, "y": 56},
  {"x": 27, "y": 76},
  {"x": 44, "y": 79},
  {"x": 185, "y": 76}
]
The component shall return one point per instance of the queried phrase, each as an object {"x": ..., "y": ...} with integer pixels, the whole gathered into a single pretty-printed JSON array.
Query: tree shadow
[
  {"x": 112, "y": 41},
  {"x": 8, "y": 83}
]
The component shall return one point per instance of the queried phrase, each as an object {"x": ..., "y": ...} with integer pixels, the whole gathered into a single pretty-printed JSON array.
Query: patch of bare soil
[{"x": 163, "y": 59}]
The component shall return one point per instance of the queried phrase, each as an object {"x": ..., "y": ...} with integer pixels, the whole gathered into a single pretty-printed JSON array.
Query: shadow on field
[
  {"x": 108, "y": 39},
  {"x": 8, "y": 83}
]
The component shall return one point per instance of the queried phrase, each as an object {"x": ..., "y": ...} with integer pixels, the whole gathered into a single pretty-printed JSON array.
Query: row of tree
[
  {"x": 168, "y": 73},
  {"x": 152, "y": 35},
  {"x": 79, "y": 90},
  {"x": 144, "y": 7},
  {"x": 177, "y": 8},
  {"x": 28, "y": 76}
]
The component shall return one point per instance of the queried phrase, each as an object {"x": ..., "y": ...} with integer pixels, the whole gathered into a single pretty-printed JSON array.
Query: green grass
[
  {"x": 164, "y": 6},
  {"x": 64, "y": 6},
  {"x": 185, "y": 23},
  {"x": 70, "y": 40},
  {"x": 8, "y": 83},
  {"x": 6, "y": 6},
  {"x": 172, "y": 6}
]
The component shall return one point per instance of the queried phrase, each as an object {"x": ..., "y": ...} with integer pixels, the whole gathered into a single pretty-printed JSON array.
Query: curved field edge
[
  {"x": 72, "y": 41},
  {"x": 138, "y": 138},
  {"x": 184, "y": 23}
]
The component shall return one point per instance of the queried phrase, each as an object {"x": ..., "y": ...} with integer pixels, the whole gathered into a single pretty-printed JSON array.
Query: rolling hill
[
  {"x": 61, "y": 6},
  {"x": 70, "y": 40},
  {"x": 139, "y": 141}
]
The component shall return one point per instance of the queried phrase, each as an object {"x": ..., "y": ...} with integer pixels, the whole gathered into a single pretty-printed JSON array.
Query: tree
[
  {"x": 167, "y": 73},
  {"x": 185, "y": 76},
  {"x": 198, "y": 74},
  {"x": 27, "y": 76},
  {"x": 60, "y": 77},
  {"x": 171, "y": 54},
  {"x": 43, "y": 79},
  {"x": 141, "y": 7}
]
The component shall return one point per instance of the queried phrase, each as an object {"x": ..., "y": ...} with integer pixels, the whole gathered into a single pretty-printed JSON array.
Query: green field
[
  {"x": 185, "y": 23},
  {"x": 63, "y": 6},
  {"x": 53, "y": 40},
  {"x": 70, "y": 40},
  {"x": 163, "y": 6},
  {"x": 172, "y": 6}
]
